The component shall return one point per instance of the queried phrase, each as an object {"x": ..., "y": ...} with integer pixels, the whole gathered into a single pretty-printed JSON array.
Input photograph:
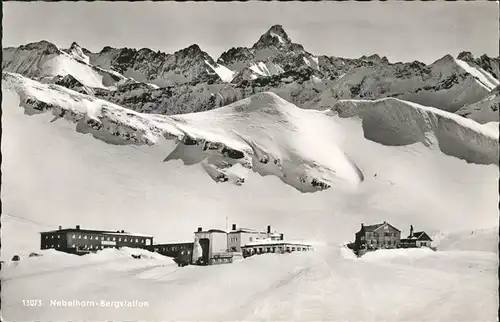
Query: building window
[
  {"x": 84, "y": 236},
  {"x": 120, "y": 239},
  {"x": 114, "y": 238},
  {"x": 102, "y": 237},
  {"x": 293, "y": 249},
  {"x": 59, "y": 236},
  {"x": 137, "y": 240},
  {"x": 251, "y": 238},
  {"x": 108, "y": 238}
]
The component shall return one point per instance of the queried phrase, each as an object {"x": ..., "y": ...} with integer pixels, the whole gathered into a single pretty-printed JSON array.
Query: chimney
[
  {"x": 411, "y": 230},
  {"x": 282, "y": 236},
  {"x": 200, "y": 229},
  {"x": 362, "y": 225},
  {"x": 234, "y": 226},
  {"x": 123, "y": 231},
  {"x": 77, "y": 227},
  {"x": 60, "y": 227},
  {"x": 269, "y": 229}
]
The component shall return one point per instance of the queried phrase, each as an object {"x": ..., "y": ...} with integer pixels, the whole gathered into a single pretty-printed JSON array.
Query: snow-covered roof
[
  {"x": 246, "y": 230},
  {"x": 375, "y": 227},
  {"x": 212, "y": 231},
  {"x": 267, "y": 242},
  {"x": 91, "y": 231},
  {"x": 420, "y": 235}
]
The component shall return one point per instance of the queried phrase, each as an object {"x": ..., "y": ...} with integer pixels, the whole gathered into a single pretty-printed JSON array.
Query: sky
[{"x": 402, "y": 31}]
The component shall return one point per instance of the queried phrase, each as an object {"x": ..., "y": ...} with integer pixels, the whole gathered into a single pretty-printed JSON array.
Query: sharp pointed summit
[{"x": 276, "y": 36}]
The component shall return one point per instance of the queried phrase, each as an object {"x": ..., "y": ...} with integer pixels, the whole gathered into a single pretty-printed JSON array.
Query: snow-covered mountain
[
  {"x": 45, "y": 61},
  {"x": 449, "y": 83},
  {"x": 189, "y": 80},
  {"x": 71, "y": 158},
  {"x": 269, "y": 135},
  {"x": 485, "y": 110},
  {"x": 273, "y": 54}
]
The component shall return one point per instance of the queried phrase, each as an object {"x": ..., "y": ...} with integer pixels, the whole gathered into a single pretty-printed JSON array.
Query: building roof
[
  {"x": 420, "y": 235},
  {"x": 275, "y": 243},
  {"x": 91, "y": 231},
  {"x": 378, "y": 226},
  {"x": 267, "y": 242},
  {"x": 211, "y": 231},
  {"x": 245, "y": 230},
  {"x": 173, "y": 244}
]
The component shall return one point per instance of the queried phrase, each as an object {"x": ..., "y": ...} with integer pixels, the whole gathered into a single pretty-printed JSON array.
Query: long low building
[
  {"x": 83, "y": 241},
  {"x": 273, "y": 246},
  {"x": 181, "y": 252}
]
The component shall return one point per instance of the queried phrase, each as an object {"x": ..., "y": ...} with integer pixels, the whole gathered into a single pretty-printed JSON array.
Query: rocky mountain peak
[
  {"x": 74, "y": 45},
  {"x": 241, "y": 54},
  {"x": 43, "y": 45},
  {"x": 466, "y": 56},
  {"x": 106, "y": 49},
  {"x": 375, "y": 58},
  {"x": 275, "y": 36},
  {"x": 193, "y": 52}
]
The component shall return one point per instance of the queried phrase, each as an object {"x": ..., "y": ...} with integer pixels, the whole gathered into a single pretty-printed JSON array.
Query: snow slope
[
  {"x": 225, "y": 74},
  {"x": 447, "y": 84},
  {"x": 485, "y": 110},
  {"x": 470, "y": 240},
  {"x": 306, "y": 149},
  {"x": 44, "y": 60},
  {"x": 439, "y": 173}
]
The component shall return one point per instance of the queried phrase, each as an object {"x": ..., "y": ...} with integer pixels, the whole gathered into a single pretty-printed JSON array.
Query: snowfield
[
  {"x": 485, "y": 110},
  {"x": 388, "y": 285},
  {"x": 360, "y": 161}
]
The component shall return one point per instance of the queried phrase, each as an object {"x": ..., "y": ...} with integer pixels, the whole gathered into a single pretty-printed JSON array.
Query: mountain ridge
[{"x": 190, "y": 80}]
